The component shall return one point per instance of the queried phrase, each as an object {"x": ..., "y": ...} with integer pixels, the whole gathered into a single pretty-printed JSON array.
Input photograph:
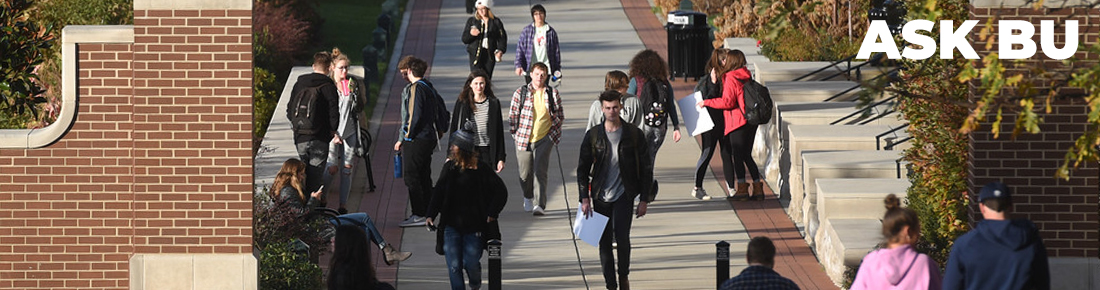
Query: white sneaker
[
  {"x": 413, "y": 221},
  {"x": 700, "y": 194},
  {"x": 527, "y": 204},
  {"x": 538, "y": 210}
]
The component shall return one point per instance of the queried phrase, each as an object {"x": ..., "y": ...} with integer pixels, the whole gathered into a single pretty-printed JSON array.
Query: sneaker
[
  {"x": 700, "y": 194},
  {"x": 730, "y": 191},
  {"x": 413, "y": 221},
  {"x": 527, "y": 205},
  {"x": 538, "y": 211}
]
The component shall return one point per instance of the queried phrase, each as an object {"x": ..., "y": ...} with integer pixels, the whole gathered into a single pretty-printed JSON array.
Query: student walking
[
  {"x": 897, "y": 265},
  {"x": 538, "y": 43},
  {"x": 485, "y": 38},
  {"x": 314, "y": 116},
  {"x": 352, "y": 93},
  {"x": 536, "y": 117},
  {"x": 740, "y": 134},
  {"x": 710, "y": 87},
  {"x": 649, "y": 81},
  {"x": 468, "y": 198},
  {"x": 613, "y": 169},
  {"x": 616, "y": 81},
  {"x": 1000, "y": 252},
  {"x": 422, "y": 124},
  {"x": 479, "y": 108}
]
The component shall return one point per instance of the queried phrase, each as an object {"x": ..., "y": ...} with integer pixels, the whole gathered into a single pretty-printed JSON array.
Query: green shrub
[
  {"x": 807, "y": 45},
  {"x": 265, "y": 96},
  {"x": 282, "y": 267},
  {"x": 25, "y": 45}
]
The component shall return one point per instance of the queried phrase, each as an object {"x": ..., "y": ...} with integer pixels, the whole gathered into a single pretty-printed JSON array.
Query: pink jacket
[
  {"x": 733, "y": 98},
  {"x": 899, "y": 268}
]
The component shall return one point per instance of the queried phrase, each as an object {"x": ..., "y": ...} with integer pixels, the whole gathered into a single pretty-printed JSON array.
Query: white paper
[
  {"x": 590, "y": 229},
  {"x": 696, "y": 119}
]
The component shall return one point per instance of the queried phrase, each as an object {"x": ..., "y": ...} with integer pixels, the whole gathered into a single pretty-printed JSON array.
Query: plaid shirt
[
  {"x": 521, "y": 115},
  {"x": 525, "y": 49},
  {"x": 758, "y": 277}
]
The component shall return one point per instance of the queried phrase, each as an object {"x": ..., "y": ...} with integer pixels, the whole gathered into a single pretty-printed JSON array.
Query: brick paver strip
[{"x": 794, "y": 259}]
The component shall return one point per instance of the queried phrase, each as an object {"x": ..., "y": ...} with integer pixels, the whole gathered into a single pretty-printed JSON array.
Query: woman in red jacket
[{"x": 740, "y": 134}]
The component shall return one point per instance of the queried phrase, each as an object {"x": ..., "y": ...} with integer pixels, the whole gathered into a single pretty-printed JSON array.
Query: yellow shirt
[{"x": 542, "y": 116}]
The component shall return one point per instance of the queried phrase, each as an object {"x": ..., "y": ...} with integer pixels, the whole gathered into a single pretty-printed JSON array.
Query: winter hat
[
  {"x": 465, "y": 139},
  {"x": 995, "y": 190},
  {"x": 486, "y": 3}
]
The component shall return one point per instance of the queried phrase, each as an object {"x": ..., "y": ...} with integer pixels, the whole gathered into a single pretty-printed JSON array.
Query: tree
[{"x": 25, "y": 45}]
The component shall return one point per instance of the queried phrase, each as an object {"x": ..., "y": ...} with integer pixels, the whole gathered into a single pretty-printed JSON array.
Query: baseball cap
[{"x": 995, "y": 190}]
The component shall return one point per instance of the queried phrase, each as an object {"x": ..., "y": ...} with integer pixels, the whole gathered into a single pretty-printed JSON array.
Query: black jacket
[
  {"x": 498, "y": 38},
  {"x": 462, "y": 114},
  {"x": 634, "y": 162},
  {"x": 328, "y": 107},
  {"x": 465, "y": 198}
]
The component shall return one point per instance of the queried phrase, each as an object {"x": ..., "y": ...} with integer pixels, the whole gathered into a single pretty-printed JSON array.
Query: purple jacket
[
  {"x": 525, "y": 50},
  {"x": 898, "y": 268}
]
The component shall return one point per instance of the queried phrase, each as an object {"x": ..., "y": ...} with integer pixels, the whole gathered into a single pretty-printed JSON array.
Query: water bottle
[{"x": 397, "y": 165}]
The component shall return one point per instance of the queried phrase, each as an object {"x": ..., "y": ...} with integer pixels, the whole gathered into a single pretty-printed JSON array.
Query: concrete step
[
  {"x": 840, "y": 164},
  {"x": 856, "y": 197},
  {"x": 789, "y": 70},
  {"x": 844, "y": 242},
  {"x": 788, "y": 91},
  {"x": 816, "y": 137},
  {"x": 745, "y": 44}
]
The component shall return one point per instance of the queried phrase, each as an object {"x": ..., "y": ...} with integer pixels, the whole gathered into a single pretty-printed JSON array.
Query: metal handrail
[
  {"x": 860, "y": 111},
  {"x": 897, "y": 164},
  {"x": 878, "y": 138},
  {"x": 879, "y": 116},
  {"x": 834, "y": 64},
  {"x": 892, "y": 144},
  {"x": 837, "y": 95}
]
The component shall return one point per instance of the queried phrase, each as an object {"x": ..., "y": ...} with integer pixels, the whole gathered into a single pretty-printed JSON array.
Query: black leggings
[
  {"x": 712, "y": 139},
  {"x": 741, "y": 141},
  {"x": 620, "y": 214}
]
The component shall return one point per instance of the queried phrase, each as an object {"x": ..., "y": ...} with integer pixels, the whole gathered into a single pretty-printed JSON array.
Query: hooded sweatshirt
[
  {"x": 897, "y": 268},
  {"x": 328, "y": 108},
  {"x": 998, "y": 254},
  {"x": 732, "y": 100}
]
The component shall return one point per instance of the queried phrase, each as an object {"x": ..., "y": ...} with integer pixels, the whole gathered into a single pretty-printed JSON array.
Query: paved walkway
[{"x": 673, "y": 244}]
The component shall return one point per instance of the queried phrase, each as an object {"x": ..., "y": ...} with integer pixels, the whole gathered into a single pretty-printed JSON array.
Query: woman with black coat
[
  {"x": 485, "y": 38},
  {"x": 478, "y": 110},
  {"x": 710, "y": 87}
]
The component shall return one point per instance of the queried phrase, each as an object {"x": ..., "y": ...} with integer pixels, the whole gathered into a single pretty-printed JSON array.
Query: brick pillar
[{"x": 1064, "y": 211}]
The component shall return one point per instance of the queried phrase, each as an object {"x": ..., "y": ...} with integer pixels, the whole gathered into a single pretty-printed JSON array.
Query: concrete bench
[
  {"x": 850, "y": 198},
  {"x": 840, "y": 164},
  {"x": 844, "y": 242}
]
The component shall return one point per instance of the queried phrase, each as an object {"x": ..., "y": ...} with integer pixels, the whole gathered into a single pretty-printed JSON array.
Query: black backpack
[
  {"x": 758, "y": 103},
  {"x": 302, "y": 110},
  {"x": 438, "y": 109},
  {"x": 653, "y": 97}
]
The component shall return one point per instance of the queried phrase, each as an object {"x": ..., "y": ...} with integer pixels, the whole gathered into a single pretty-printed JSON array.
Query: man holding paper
[{"x": 613, "y": 169}]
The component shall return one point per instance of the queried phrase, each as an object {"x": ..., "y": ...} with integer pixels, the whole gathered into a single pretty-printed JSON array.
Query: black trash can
[{"x": 688, "y": 44}]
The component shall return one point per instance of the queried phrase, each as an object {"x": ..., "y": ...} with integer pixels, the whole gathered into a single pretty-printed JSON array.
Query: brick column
[{"x": 1064, "y": 211}]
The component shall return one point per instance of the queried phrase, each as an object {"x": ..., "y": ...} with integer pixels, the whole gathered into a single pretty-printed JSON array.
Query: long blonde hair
[{"x": 288, "y": 175}]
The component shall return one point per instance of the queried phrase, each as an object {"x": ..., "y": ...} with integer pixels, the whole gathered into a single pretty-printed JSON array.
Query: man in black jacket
[
  {"x": 419, "y": 134},
  {"x": 614, "y": 168},
  {"x": 312, "y": 145}
]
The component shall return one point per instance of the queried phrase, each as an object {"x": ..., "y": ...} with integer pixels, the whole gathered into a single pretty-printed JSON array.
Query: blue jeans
[
  {"x": 364, "y": 221},
  {"x": 463, "y": 251}
]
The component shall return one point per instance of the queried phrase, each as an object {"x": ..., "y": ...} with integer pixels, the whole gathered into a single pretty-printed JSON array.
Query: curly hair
[
  {"x": 467, "y": 94},
  {"x": 648, "y": 64}
]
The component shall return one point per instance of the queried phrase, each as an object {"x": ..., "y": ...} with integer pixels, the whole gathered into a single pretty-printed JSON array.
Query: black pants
[
  {"x": 485, "y": 60},
  {"x": 315, "y": 155},
  {"x": 620, "y": 214},
  {"x": 741, "y": 142},
  {"x": 712, "y": 139},
  {"x": 416, "y": 169},
  {"x": 484, "y": 159}
]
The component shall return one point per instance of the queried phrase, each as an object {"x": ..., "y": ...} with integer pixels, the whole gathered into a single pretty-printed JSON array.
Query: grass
[{"x": 349, "y": 25}]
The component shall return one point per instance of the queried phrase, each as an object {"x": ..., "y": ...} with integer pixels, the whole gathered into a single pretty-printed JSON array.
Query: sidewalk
[{"x": 673, "y": 245}]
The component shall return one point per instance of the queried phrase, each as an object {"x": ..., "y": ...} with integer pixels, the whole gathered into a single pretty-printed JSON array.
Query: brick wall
[
  {"x": 158, "y": 162},
  {"x": 66, "y": 211},
  {"x": 1065, "y": 211}
]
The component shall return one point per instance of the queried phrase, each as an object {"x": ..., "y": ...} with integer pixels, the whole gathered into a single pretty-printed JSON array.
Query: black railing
[
  {"x": 860, "y": 112},
  {"x": 835, "y": 64},
  {"x": 878, "y": 138},
  {"x": 890, "y": 73}
]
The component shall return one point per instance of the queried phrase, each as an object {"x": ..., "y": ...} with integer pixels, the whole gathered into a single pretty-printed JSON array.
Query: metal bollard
[
  {"x": 494, "y": 264},
  {"x": 722, "y": 261}
]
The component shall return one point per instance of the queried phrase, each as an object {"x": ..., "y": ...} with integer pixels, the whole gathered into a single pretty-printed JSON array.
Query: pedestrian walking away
[
  {"x": 536, "y": 117},
  {"x": 468, "y": 198},
  {"x": 739, "y": 133},
  {"x": 538, "y": 43},
  {"x": 616, "y": 81},
  {"x": 479, "y": 108},
  {"x": 485, "y": 38},
  {"x": 897, "y": 265},
  {"x": 291, "y": 198},
  {"x": 710, "y": 87},
  {"x": 649, "y": 81},
  {"x": 613, "y": 169},
  {"x": 352, "y": 93},
  {"x": 314, "y": 116},
  {"x": 1000, "y": 252},
  {"x": 759, "y": 274},
  {"x": 424, "y": 120}
]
